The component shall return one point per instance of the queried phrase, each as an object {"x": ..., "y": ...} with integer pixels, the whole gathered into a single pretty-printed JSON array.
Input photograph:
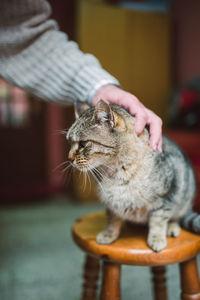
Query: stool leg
[
  {"x": 91, "y": 274},
  {"x": 189, "y": 280},
  {"x": 159, "y": 283},
  {"x": 110, "y": 289}
]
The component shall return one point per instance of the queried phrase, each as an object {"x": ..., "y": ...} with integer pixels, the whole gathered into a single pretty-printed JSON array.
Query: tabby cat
[{"x": 135, "y": 183}]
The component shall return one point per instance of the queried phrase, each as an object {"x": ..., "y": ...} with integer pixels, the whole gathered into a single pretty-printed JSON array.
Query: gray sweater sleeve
[{"x": 37, "y": 57}]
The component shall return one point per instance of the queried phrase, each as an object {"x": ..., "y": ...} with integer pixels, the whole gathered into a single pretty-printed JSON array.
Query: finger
[
  {"x": 156, "y": 134},
  {"x": 140, "y": 123},
  {"x": 136, "y": 109},
  {"x": 141, "y": 120}
]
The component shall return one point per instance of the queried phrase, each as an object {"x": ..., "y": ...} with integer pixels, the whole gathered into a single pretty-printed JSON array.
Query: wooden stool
[{"x": 131, "y": 249}]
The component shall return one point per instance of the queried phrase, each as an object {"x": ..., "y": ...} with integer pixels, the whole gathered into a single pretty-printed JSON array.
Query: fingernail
[{"x": 137, "y": 132}]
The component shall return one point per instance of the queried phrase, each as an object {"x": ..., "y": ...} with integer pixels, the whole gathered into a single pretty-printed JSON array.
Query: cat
[{"x": 136, "y": 183}]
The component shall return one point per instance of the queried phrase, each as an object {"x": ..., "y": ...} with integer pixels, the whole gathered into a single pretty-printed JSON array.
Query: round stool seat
[{"x": 131, "y": 247}]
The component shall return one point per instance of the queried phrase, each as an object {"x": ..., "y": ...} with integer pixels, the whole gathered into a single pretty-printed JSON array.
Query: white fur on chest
[{"x": 130, "y": 201}]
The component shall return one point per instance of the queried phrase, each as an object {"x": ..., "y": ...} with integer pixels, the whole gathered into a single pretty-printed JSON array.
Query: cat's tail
[{"x": 191, "y": 222}]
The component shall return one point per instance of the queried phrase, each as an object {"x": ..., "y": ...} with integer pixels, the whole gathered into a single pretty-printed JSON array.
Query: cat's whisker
[
  {"x": 85, "y": 180},
  {"x": 95, "y": 177},
  {"x": 89, "y": 180},
  {"x": 79, "y": 174},
  {"x": 103, "y": 176},
  {"x": 97, "y": 180},
  {"x": 60, "y": 165},
  {"x": 98, "y": 173},
  {"x": 109, "y": 167},
  {"x": 91, "y": 172},
  {"x": 73, "y": 173},
  {"x": 66, "y": 168},
  {"x": 61, "y": 131},
  {"x": 68, "y": 174},
  {"x": 102, "y": 170}
]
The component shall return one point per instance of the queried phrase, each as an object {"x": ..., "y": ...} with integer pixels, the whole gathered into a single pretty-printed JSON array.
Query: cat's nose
[{"x": 71, "y": 156}]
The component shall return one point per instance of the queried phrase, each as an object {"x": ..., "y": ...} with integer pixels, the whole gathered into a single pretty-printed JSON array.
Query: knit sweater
[{"x": 37, "y": 57}]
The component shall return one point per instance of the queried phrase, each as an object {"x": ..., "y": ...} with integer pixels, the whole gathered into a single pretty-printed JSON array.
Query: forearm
[{"x": 37, "y": 57}]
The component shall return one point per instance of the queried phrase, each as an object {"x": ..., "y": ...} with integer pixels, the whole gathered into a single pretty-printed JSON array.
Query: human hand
[{"x": 144, "y": 116}]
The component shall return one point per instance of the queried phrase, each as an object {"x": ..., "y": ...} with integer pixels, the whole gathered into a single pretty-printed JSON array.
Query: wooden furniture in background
[{"x": 131, "y": 249}]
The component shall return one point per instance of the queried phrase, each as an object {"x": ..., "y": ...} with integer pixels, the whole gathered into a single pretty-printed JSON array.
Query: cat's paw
[
  {"x": 173, "y": 229},
  {"x": 106, "y": 237},
  {"x": 157, "y": 242}
]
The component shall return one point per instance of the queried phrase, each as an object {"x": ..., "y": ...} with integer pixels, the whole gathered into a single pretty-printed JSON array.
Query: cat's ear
[
  {"x": 79, "y": 108},
  {"x": 103, "y": 113}
]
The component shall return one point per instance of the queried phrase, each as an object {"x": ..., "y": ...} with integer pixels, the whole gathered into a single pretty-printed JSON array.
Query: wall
[{"x": 186, "y": 31}]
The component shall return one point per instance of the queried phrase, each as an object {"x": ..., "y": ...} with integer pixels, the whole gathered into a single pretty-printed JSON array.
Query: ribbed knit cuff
[{"x": 89, "y": 80}]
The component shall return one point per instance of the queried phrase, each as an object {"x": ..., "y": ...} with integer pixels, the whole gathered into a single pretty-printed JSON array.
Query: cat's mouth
[
  {"x": 81, "y": 166},
  {"x": 82, "y": 169}
]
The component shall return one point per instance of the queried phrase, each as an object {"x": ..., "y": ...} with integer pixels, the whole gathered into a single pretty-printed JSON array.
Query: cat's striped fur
[{"x": 137, "y": 184}]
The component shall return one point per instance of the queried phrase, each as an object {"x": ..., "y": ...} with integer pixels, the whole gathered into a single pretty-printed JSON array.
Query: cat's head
[{"x": 96, "y": 135}]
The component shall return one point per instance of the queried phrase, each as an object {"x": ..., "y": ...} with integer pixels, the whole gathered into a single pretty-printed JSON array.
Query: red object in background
[{"x": 188, "y": 98}]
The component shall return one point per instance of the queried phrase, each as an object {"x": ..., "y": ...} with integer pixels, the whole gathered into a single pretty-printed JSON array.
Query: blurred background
[{"x": 153, "y": 48}]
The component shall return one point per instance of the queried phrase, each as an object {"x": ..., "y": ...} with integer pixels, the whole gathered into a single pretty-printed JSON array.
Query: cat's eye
[{"x": 82, "y": 144}]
